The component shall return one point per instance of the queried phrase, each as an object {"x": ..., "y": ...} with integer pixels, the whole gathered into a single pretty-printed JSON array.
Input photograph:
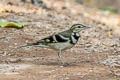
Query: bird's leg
[{"x": 60, "y": 56}]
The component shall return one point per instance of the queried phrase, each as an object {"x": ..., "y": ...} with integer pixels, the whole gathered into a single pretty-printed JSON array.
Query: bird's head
[{"x": 78, "y": 27}]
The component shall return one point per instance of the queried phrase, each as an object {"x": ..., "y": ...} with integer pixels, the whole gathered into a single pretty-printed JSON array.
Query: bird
[
  {"x": 61, "y": 41},
  {"x": 41, "y": 3}
]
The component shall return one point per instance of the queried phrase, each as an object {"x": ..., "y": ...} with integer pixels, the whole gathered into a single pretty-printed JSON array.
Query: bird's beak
[{"x": 86, "y": 27}]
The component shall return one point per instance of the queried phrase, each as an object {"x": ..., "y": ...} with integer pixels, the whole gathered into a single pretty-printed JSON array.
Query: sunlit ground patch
[{"x": 10, "y": 69}]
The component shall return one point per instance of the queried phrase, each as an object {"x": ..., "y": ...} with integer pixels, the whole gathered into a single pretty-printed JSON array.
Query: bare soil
[{"x": 96, "y": 56}]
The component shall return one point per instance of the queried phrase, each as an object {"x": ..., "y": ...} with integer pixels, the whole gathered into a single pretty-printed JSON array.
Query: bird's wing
[
  {"x": 60, "y": 37},
  {"x": 55, "y": 38}
]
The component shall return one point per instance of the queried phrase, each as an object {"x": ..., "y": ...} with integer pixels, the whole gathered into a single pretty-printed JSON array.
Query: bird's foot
[{"x": 64, "y": 65}]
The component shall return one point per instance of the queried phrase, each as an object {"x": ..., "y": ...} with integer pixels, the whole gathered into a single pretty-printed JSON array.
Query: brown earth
[{"x": 96, "y": 56}]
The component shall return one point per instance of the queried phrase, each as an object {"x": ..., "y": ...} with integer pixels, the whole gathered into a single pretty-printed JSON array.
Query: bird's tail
[
  {"x": 27, "y": 45},
  {"x": 33, "y": 44}
]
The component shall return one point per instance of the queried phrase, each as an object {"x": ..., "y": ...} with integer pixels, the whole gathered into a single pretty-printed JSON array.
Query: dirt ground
[{"x": 96, "y": 56}]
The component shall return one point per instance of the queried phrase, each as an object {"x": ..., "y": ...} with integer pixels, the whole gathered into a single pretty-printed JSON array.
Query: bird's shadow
[{"x": 59, "y": 64}]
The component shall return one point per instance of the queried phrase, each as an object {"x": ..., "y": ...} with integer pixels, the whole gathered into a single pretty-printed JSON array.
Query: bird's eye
[{"x": 78, "y": 26}]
